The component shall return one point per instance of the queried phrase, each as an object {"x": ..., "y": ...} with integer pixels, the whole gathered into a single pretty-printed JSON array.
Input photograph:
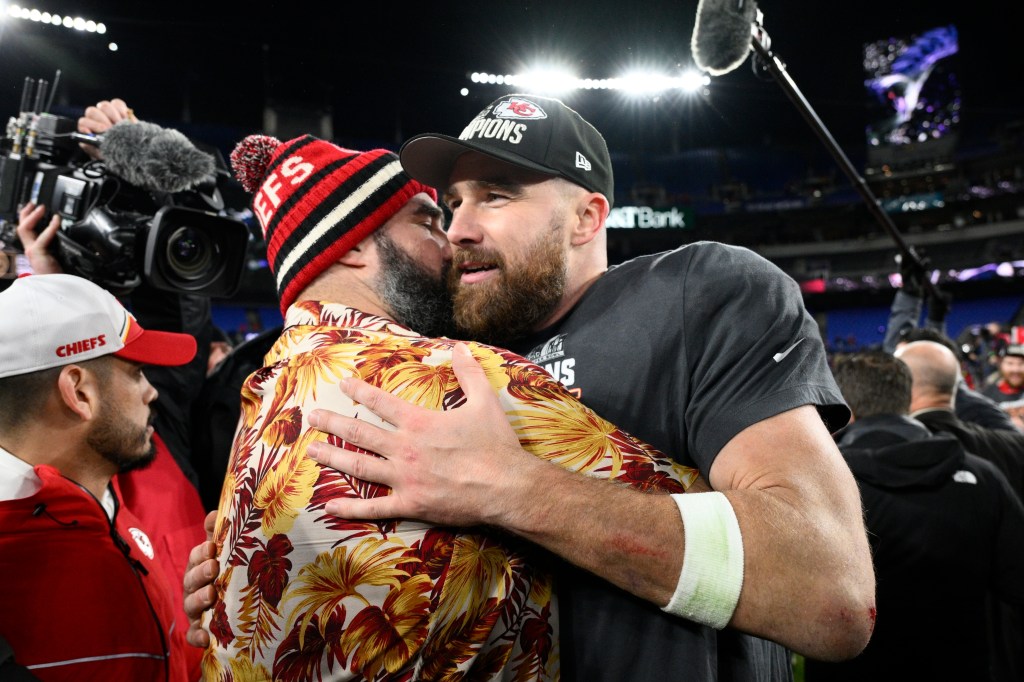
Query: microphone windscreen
[
  {"x": 722, "y": 34},
  {"x": 156, "y": 158}
]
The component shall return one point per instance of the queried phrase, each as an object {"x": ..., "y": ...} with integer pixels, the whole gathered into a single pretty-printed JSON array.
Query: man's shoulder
[
  {"x": 712, "y": 267},
  {"x": 1001, "y": 393},
  {"x": 694, "y": 254},
  {"x": 991, "y": 438},
  {"x": 986, "y": 474}
]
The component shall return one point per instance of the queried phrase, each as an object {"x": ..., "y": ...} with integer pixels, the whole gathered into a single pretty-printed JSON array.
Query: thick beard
[
  {"x": 124, "y": 446},
  {"x": 519, "y": 299},
  {"x": 415, "y": 297}
]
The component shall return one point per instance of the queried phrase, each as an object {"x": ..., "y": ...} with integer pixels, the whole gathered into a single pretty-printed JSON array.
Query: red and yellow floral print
[{"x": 307, "y": 596}]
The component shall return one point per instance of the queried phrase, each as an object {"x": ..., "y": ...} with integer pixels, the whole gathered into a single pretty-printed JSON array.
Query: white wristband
[{"x": 712, "y": 576}]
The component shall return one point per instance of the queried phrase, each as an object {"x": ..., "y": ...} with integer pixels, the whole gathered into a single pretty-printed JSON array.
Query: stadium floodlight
[
  {"x": 693, "y": 80},
  {"x": 549, "y": 81},
  {"x": 555, "y": 81},
  {"x": 646, "y": 83},
  {"x": 40, "y": 17}
]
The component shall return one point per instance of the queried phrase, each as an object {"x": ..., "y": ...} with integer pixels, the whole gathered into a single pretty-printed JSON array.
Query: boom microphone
[
  {"x": 722, "y": 34},
  {"x": 155, "y": 158}
]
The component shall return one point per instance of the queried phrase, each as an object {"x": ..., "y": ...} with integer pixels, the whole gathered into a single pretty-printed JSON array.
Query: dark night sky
[{"x": 391, "y": 70}]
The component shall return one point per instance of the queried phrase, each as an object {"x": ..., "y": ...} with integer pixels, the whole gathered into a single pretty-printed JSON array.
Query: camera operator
[{"x": 165, "y": 495}]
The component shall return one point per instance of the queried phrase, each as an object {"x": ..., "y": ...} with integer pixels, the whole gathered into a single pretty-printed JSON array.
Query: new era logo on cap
[{"x": 581, "y": 162}]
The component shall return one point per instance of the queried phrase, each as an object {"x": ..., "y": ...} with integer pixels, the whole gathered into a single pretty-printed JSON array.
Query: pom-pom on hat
[{"x": 316, "y": 200}]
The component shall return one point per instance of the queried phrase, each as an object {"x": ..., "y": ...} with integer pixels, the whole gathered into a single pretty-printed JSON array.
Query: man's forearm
[
  {"x": 631, "y": 539},
  {"x": 800, "y": 581},
  {"x": 808, "y": 582}
]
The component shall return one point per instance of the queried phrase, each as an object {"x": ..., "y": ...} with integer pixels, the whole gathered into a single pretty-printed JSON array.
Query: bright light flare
[
  {"x": 646, "y": 83},
  {"x": 693, "y": 80},
  {"x": 637, "y": 83},
  {"x": 40, "y": 17},
  {"x": 544, "y": 81}
]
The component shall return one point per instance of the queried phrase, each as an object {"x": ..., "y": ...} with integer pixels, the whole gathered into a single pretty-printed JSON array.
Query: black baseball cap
[
  {"x": 1012, "y": 349},
  {"x": 538, "y": 133}
]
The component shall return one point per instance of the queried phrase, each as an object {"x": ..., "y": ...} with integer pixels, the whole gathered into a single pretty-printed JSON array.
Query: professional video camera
[{"x": 146, "y": 211}]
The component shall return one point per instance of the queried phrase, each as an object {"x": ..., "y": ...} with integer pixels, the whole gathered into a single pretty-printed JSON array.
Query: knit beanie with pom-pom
[{"x": 316, "y": 200}]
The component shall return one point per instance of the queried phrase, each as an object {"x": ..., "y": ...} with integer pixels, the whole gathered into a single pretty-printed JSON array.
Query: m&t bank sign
[{"x": 630, "y": 217}]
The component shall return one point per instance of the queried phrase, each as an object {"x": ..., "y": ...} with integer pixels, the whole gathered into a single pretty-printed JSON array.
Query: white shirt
[
  {"x": 17, "y": 477},
  {"x": 19, "y": 480}
]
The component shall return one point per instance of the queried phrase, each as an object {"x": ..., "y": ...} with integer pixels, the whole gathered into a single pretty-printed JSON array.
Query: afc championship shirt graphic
[{"x": 551, "y": 357}]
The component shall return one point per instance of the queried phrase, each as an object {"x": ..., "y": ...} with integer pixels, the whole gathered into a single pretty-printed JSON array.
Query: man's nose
[
  {"x": 464, "y": 227},
  {"x": 150, "y": 393}
]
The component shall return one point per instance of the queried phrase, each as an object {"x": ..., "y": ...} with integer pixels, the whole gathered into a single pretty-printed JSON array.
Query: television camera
[{"x": 146, "y": 210}]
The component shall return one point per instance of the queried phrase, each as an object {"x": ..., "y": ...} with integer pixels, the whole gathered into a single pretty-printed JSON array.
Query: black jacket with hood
[{"x": 946, "y": 529}]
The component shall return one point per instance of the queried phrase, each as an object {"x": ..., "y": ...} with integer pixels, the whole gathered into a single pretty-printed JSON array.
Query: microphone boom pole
[{"x": 767, "y": 60}]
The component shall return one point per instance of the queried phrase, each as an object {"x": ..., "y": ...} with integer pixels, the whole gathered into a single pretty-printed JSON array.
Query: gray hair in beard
[{"x": 416, "y": 298}]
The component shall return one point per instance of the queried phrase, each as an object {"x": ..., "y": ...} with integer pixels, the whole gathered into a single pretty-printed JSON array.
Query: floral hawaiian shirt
[{"x": 307, "y": 596}]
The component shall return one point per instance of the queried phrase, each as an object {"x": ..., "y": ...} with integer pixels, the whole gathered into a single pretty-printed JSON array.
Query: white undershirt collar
[{"x": 19, "y": 480}]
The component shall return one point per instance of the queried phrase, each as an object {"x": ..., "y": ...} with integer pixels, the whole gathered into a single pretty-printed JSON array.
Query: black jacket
[
  {"x": 1003, "y": 448},
  {"x": 976, "y": 408},
  {"x": 945, "y": 529}
]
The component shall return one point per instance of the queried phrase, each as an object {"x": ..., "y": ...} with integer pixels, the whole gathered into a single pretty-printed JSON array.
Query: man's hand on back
[{"x": 451, "y": 468}]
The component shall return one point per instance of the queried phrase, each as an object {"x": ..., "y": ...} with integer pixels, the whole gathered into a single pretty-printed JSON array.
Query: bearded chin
[
  {"x": 416, "y": 298},
  {"x": 515, "y": 303}
]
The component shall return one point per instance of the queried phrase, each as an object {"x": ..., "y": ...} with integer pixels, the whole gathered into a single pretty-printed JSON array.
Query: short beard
[
  {"x": 415, "y": 297},
  {"x": 519, "y": 299},
  {"x": 121, "y": 445}
]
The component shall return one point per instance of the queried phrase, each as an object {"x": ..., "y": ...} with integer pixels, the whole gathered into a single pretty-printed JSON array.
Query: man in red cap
[{"x": 83, "y": 596}]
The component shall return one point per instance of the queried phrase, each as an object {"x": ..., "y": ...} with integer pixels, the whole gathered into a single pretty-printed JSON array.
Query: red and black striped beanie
[{"x": 316, "y": 200}]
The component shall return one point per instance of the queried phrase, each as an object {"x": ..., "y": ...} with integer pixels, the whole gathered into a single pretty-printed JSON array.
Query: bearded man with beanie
[
  {"x": 82, "y": 594},
  {"x": 359, "y": 256}
]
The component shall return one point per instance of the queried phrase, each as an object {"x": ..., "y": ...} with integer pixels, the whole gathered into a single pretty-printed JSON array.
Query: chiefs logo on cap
[{"x": 515, "y": 107}]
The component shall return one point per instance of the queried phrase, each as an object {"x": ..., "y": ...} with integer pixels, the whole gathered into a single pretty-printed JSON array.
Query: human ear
[
  {"x": 359, "y": 255},
  {"x": 79, "y": 391},
  {"x": 591, "y": 213}
]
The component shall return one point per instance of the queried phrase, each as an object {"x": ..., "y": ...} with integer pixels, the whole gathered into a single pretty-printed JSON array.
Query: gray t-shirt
[{"x": 684, "y": 350}]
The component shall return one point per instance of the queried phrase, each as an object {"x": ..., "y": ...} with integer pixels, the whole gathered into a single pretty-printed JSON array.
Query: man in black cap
[
  {"x": 355, "y": 245},
  {"x": 1008, "y": 389},
  {"x": 1010, "y": 385},
  {"x": 706, "y": 352}
]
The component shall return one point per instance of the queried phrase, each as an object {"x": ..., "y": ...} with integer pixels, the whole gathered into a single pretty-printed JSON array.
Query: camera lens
[{"x": 190, "y": 253}]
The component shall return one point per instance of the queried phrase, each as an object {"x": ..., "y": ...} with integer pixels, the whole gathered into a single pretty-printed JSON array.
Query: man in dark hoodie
[
  {"x": 946, "y": 529},
  {"x": 936, "y": 373}
]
